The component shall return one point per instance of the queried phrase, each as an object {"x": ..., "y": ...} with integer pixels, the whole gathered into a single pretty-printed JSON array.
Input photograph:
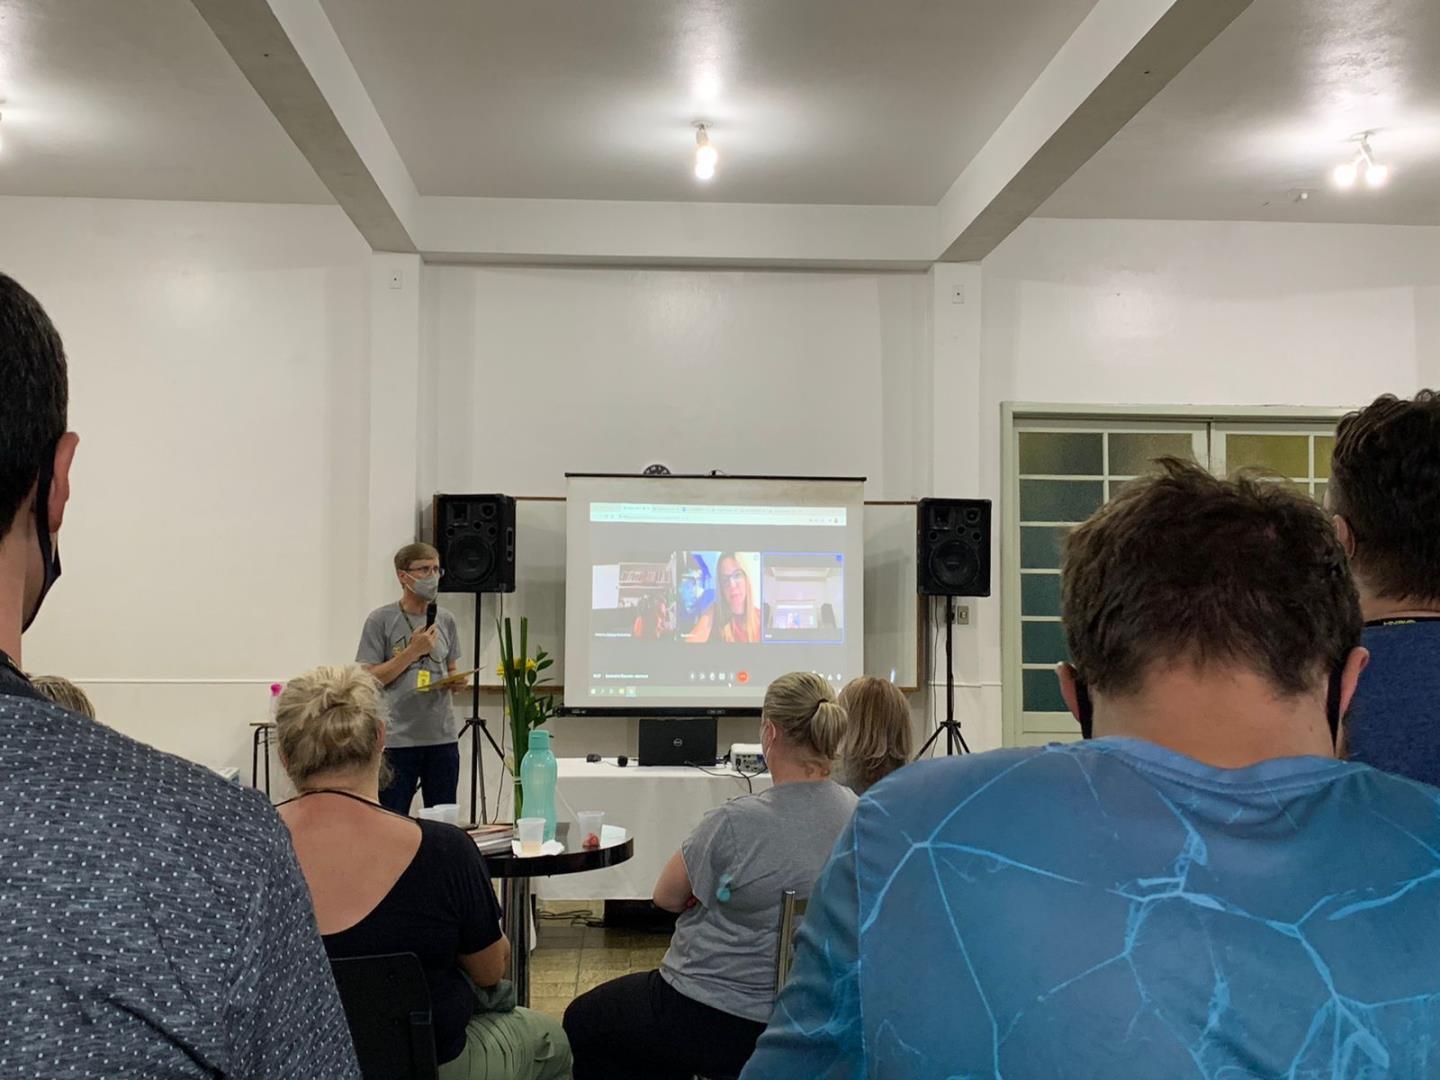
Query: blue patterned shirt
[
  {"x": 153, "y": 921},
  {"x": 1112, "y": 909}
]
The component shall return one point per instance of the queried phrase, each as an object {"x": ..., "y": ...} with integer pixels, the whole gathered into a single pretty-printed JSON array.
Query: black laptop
[{"x": 682, "y": 741}]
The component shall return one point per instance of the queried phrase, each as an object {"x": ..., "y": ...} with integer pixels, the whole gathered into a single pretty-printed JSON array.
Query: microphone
[{"x": 429, "y": 614}]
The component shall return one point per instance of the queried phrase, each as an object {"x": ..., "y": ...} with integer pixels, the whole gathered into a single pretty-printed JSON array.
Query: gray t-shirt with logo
[
  {"x": 741, "y": 858},
  {"x": 416, "y": 719}
]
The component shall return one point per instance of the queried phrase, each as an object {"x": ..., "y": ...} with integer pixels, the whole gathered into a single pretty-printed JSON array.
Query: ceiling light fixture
[
  {"x": 706, "y": 155},
  {"x": 1348, "y": 172}
]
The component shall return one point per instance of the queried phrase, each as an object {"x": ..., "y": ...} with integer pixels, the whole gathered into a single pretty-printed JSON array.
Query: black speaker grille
[
  {"x": 953, "y": 547},
  {"x": 476, "y": 538}
]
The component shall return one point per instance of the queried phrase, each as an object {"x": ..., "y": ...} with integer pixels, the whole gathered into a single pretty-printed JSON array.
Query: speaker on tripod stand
[
  {"x": 475, "y": 535},
  {"x": 952, "y": 555}
]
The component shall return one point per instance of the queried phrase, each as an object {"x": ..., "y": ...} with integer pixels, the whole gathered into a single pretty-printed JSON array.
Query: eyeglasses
[
  {"x": 736, "y": 578},
  {"x": 425, "y": 571}
]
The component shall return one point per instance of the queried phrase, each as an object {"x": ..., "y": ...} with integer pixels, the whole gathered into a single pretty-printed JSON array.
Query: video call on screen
[{"x": 707, "y": 604}]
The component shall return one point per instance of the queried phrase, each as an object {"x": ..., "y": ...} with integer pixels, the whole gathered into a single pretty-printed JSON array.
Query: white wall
[
  {"x": 1182, "y": 312},
  {"x": 542, "y": 371},
  {"x": 218, "y": 376},
  {"x": 535, "y": 372}
]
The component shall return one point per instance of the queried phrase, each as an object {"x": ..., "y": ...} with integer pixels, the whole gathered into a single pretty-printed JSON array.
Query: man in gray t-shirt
[{"x": 410, "y": 659}]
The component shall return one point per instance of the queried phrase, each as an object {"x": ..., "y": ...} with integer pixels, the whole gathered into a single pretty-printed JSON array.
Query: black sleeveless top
[{"x": 442, "y": 906}]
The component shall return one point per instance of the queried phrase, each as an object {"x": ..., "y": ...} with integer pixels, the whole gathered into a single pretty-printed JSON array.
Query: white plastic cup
[
  {"x": 531, "y": 831},
  {"x": 591, "y": 823},
  {"x": 449, "y": 813}
]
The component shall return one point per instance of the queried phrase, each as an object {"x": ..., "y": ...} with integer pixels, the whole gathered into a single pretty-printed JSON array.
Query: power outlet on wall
[{"x": 962, "y": 614}]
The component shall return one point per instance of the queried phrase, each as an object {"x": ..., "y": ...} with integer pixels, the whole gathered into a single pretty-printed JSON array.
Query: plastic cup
[
  {"x": 590, "y": 822},
  {"x": 446, "y": 812},
  {"x": 531, "y": 831}
]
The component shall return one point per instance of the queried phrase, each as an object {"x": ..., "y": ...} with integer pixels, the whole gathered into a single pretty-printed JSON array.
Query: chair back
[
  {"x": 387, "y": 1004},
  {"x": 792, "y": 910}
]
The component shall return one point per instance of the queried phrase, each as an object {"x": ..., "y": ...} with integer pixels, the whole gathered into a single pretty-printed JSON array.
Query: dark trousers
[
  {"x": 639, "y": 1026},
  {"x": 435, "y": 769}
]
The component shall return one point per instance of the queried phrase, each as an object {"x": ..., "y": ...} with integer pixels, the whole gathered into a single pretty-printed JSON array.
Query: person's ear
[
  {"x": 1355, "y": 664},
  {"x": 1069, "y": 687},
  {"x": 1346, "y": 534},
  {"x": 60, "y": 480}
]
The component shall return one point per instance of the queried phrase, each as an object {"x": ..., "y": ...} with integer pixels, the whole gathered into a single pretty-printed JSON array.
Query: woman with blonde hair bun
[
  {"x": 703, "y": 1010},
  {"x": 877, "y": 738},
  {"x": 383, "y": 883}
]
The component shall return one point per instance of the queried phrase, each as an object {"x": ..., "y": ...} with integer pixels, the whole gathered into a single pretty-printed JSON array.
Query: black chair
[{"x": 387, "y": 1004}]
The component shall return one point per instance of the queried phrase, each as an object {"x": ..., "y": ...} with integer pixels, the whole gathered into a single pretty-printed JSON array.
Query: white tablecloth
[{"x": 658, "y": 805}]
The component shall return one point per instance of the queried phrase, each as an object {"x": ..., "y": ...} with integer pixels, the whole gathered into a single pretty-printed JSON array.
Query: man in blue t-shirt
[
  {"x": 1385, "y": 494},
  {"x": 1201, "y": 889}
]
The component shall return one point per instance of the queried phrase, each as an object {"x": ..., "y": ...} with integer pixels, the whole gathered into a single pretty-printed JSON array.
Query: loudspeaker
[
  {"x": 952, "y": 548},
  {"x": 475, "y": 535}
]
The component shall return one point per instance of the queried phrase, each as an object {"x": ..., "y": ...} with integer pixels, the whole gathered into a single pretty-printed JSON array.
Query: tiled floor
[{"x": 569, "y": 960}]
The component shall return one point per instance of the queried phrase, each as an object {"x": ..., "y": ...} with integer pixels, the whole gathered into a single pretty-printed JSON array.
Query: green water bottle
[{"x": 537, "y": 781}]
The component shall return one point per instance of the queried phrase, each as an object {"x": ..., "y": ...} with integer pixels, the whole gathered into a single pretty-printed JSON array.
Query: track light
[
  {"x": 1348, "y": 172},
  {"x": 706, "y": 155}
]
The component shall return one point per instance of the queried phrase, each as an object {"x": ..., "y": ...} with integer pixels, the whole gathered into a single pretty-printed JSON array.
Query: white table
[{"x": 659, "y": 805}]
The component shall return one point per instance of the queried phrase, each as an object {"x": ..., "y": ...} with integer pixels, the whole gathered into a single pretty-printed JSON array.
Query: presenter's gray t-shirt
[
  {"x": 416, "y": 719},
  {"x": 752, "y": 849}
]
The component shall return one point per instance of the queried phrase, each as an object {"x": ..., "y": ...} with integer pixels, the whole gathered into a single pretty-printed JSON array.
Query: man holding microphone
[{"x": 410, "y": 646}]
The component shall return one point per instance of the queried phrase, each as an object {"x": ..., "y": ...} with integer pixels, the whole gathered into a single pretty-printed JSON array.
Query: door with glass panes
[{"x": 1065, "y": 469}]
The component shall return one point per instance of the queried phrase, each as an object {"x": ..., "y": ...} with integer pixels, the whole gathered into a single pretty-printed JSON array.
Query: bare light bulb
[
  {"x": 1345, "y": 174},
  {"x": 1376, "y": 175},
  {"x": 706, "y": 155}
]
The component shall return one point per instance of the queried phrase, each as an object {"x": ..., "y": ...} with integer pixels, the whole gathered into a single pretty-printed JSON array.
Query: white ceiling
[
  {"x": 1265, "y": 112},
  {"x": 812, "y": 101},
  {"x": 135, "y": 99}
]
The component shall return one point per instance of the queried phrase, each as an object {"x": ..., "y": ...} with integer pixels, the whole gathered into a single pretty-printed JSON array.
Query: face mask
[
  {"x": 424, "y": 587},
  {"x": 49, "y": 552}
]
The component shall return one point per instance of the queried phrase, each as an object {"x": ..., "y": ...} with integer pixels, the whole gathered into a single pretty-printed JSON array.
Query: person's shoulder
[
  {"x": 939, "y": 786},
  {"x": 381, "y": 615},
  {"x": 444, "y": 838},
  {"x": 447, "y": 617},
  {"x": 143, "y": 793}
]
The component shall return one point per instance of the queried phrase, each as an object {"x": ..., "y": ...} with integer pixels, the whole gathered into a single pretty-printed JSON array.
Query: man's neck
[
  {"x": 1374, "y": 608},
  {"x": 412, "y": 604},
  {"x": 12, "y": 604},
  {"x": 1225, "y": 718}
]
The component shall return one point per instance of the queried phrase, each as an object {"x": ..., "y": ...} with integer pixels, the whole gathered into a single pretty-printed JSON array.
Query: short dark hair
[
  {"x": 1385, "y": 482},
  {"x": 1184, "y": 567},
  {"x": 33, "y": 395},
  {"x": 419, "y": 551}
]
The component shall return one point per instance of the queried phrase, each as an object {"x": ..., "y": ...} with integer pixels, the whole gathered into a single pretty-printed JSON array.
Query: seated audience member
[
  {"x": 64, "y": 693},
  {"x": 155, "y": 923},
  {"x": 877, "y": 737},
  {"x": 706, "y": 1006},
  {"x": 384, "y": 883},
  {"x": 1385, "y": 494},
  {"x": 1201, "y": 890}
]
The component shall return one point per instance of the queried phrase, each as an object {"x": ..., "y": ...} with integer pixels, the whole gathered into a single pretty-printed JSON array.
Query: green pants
[{"x": 516, "y": 1045}]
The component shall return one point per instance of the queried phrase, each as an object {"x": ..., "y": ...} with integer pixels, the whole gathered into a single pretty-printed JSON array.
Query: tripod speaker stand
[
  {"x": 952, "y": 555},
  {"x": 954, "y": 737},
  {"x": 476, "y": 726}
]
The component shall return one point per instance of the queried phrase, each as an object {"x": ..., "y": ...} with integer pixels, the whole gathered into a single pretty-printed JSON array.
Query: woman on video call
[{"x": 734, "y": 617}]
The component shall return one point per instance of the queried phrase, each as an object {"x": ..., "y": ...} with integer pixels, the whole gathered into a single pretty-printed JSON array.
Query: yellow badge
[{"x": 422, "y": 679}]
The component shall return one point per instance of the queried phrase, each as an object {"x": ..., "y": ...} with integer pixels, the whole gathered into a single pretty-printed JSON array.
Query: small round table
[{"x": 519, "y": 870}]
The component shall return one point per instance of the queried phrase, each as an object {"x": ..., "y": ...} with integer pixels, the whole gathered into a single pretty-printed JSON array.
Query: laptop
[{"x": 682, "y": 741}]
